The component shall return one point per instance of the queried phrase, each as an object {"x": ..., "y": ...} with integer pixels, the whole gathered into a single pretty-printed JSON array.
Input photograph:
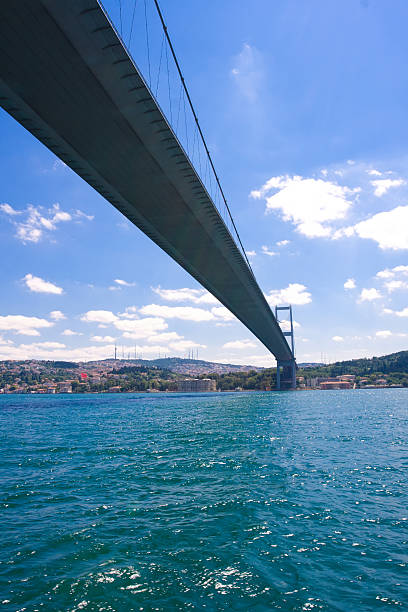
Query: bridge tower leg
[
  {"x": 293, "y": 374},
  {"x": 287, "y": 376},
  {"x": 289, "y": 367}
]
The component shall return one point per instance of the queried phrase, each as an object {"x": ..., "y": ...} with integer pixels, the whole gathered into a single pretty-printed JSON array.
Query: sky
[{"x": 303, "y": 105}]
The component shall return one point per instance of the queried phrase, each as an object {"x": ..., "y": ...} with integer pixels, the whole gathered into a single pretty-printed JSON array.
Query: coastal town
[{"x": 183, "y": 375}]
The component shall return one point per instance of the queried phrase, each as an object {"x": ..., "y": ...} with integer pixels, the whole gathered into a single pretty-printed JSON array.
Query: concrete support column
[
  {"x": 288, "y": 375},
  {"x": 293, "y": 374}
]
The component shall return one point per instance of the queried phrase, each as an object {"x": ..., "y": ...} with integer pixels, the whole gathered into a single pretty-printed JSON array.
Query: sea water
[{"x": 242, "y": 501}]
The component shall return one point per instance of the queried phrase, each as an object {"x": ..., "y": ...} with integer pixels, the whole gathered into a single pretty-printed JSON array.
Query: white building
[{"x": 193, "y": 385}]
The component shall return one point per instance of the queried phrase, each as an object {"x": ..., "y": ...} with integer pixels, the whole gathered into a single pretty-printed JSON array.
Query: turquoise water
[{"x": 247, "y": 501}]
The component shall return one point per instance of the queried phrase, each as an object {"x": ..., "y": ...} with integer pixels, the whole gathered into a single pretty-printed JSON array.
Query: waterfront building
[
  {"x": 65, "y": 387},
  {"x": 335, "y": 384},
  {"x": 194, "y": 385},
  {"x": 312, "y": 382}
]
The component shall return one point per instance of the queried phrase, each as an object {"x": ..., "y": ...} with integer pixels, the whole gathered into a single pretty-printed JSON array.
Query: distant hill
[
  {"x": 192, "y": 367},
  {"x": 311, "y": 364},
  {"x": 387, "y": 364},
  {"x": 134, "y": 375}
]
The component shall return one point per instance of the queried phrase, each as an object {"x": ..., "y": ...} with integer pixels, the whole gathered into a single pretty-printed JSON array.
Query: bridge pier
[{"x": 288, "y": 377}]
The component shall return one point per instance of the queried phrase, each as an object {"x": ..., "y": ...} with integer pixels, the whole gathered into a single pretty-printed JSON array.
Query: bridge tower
[{"x": 288, "y": 377}]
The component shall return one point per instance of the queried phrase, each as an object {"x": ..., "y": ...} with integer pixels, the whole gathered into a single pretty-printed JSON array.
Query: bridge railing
[{"x": 140, "y": 26}]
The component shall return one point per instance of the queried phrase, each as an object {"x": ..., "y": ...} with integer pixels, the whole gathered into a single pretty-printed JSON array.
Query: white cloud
[
  {"x": 141, "y": 328},
  {"x": 32, "y": 229},
  {"x": 46, "y": 345},
  {"x": 69, "y": 332},
  {"x": 155, "y": 350},
  {"x": 61, "y": 216},
  {"x": 265, "y": 360},
  {"x": 188, "y": 313},
  {"x": 165, "y": 337},
  {"x": 294, "y": 294},
  {"x": 392, "y": 285},
  {"x": 385, "y": 274},
  {"x": 29, "y": 332},
  {"x": 389, "y": 229},
  {"x": 282, "y": 243},
  {"x": 9, "y": 210},
  {"x": 384, "y": 333},
  {"x": 383, "y": 185},
  {"x": 220, "y": 312},
  {"x": 308, "y": 203},
  {"x": 393, "y": 273},
  {"x": 394, "y": 278},
  {"x": 185, "y": 345},
  {"x": 57, "y": 164},
  {"x": 398, "y": 313},
  {"x": 52, "y": 351},
  {"x": 239, "y": 344},
  {"x": 350, "y": 283},
  {"x": 197, "y": 296},
  {"x": 267, "y": 251},
  {"x": 247, "y": 72},
  {"x": 57, "y": 315},
  {"x": 102, "y": 339},
  {"x": 4, "y": 341},
  {"x": 185, "y": 313},
  {"x": 39, "y": 351},
  {"x": 35, "y": 222},
  {"x": 368, "y": 295},
  {"x": 82, "y": 215},
  {"x": 285, "y": 325},
  {"x": 129, "y": 313},
  {"x": 20, "y": 324},
  {"x": 338, "y": 339},
  {"x": 400, "y": 270},
  {"x": 99, "y": 316},
  {"x": 251, "y": 253},
  {"x": 38, "y": 285},
  {"x": 374, "y": 172},
  {"x": 123, "y": 283}
]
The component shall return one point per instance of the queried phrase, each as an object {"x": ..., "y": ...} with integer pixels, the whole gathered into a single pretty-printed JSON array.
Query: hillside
[
  {"x": 34, "y": 376},
  {"x": 191, "y": 367},
  {"x": 387, "y": 364},
  {"x": 120, "y": 375}
]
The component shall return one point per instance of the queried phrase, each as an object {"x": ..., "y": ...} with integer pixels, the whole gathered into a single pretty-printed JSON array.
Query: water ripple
[{"x": 258, "y": 501}]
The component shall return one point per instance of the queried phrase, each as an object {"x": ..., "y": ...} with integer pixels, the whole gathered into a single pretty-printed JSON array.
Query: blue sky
[{"x": 303, "y": 105}]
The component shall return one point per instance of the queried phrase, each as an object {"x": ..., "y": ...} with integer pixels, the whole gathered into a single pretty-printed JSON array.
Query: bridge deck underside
[{"x": 66, "y": 76}]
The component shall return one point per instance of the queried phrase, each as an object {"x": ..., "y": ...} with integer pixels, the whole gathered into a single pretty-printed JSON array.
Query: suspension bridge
[{"x": 67, "y": 76}]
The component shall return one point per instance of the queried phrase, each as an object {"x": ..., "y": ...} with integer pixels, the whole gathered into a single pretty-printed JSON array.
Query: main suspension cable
[
  {"x": 164, "y": 26},
  {"x": 131, "y": 25},
  {"x": 148, "y": 46}
]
